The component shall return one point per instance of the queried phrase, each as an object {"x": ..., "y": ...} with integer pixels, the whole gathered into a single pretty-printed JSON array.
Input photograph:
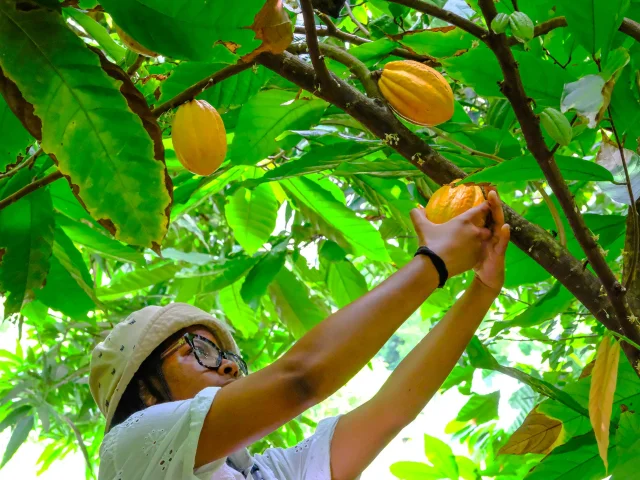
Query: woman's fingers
[
  {"x": 478, "y": 212},
  {"x": 496, "y": 211},
  {"x": 503, "y": 239}
]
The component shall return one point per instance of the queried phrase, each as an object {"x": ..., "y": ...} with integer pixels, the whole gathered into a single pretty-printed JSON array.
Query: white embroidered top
[{"x": 160, "y": 442}]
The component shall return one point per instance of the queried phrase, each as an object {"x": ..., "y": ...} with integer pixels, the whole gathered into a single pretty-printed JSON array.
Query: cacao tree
[{"x": 310, "y": 206}]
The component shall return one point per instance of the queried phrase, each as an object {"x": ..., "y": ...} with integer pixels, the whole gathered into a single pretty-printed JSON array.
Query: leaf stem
[
  {"x": 554, "y": 213},
  {"x": 135, "y": 65},
  {"x": 25, "y": 164},
  {"x": 445, "y": 136}
]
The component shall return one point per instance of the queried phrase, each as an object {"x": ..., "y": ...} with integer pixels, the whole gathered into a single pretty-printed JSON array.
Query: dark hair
[{"x": 151, "y": 377}]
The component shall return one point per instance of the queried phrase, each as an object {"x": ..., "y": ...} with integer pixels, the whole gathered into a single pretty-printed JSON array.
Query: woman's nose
[{"x": 227, "y": 367}]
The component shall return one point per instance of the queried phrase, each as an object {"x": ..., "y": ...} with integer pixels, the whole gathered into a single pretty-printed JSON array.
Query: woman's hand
[
  {"x": 458, "y": 242},
  {"x": 490, "y": 269}
]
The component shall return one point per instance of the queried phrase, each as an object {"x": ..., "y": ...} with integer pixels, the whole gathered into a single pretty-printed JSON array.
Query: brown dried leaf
[
  {"x": 273, "y": 26},
  {"x": 20, "y": 107},
  {"x": 603, "y": 386},
  {"x": 538, "y": 434}
]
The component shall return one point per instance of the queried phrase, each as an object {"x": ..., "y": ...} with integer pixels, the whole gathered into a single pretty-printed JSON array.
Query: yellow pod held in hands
[
  {"x": 449, "y": 201},
  {"x": 199, "y": 137},
  {"x": 417, "y": 92}
]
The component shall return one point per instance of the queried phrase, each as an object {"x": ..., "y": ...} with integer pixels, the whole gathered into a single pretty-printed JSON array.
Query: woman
[{"x": 180, "y": 405}]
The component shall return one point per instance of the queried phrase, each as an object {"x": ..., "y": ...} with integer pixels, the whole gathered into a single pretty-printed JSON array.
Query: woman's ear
[{"x": 147, "y": 397}]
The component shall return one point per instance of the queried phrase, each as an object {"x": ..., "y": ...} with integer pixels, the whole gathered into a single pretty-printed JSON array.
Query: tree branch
[
  {"x": 356, "y": 67},
  {"x": 355, "y": 20},
  {"x": 513, "y": 89},
  {"x": 196, "y": 89},
  {"x": 27, "y": 163},
  {"x": 447, "y": 16},
  {"x": 32, "y": 187},
  {"x": 324, "y": 77},
  {"x": 135, "y": 65},
  {"x": 530, "y": 238}
]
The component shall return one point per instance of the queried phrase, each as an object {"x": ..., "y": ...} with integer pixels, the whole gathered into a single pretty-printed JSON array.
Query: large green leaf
[
  {"x": 138, "y": 279},
  {"x": 252, "y": 216},
  {"x": 594, "y": 22},
  {"x": 260, "y": 276},
  {"x": 438, "y": 43},
  {"x": 543, "y": 80},
  {"x": 527, "y": 169},
  {"x": 85, "y": 123},
  {"x": 14, "y": 137},
  {"x": 293, "y": 302},
  {"x": 441, "y": 457},
  {"x": 99, "y": 33},
  {"x": 18, "y": 437},
  {"x": 186, "y": 29},
  {"x": 415, "y": 471},
  {"x": 26, "y": 237},
  {"x": 480, "y": 408},
  {"x": 240, "y": 315},
  {"x": 345, "y": 282},
  {"x": 265, "y": 117},
  {"x": 361, "y": 237}
]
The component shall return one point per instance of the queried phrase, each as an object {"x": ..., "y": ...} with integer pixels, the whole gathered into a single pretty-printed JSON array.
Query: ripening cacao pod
[
  {"x": 416, "y": 92},
  {"x": 133, "y": 45},
  {"x": 451, "y": 200},
  {"x": 199, "y": 137},
  {"x": 273, "y": 26},
  {"x": 557, "y": 126},
  {"x": 500, "y": 23},
  {"x": 521, "y": 26}
]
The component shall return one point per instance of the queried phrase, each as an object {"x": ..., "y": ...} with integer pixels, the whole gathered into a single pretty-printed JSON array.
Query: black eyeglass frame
[{"x": 188, "y": 339}]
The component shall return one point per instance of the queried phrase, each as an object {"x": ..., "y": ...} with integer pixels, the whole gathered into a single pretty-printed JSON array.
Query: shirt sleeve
[
  {"x": 309, "y": 460},
  {"x": 157, "y": 443}
]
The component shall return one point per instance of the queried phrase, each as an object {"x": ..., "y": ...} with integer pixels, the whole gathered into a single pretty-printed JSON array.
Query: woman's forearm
[
  {"x": 337, "y": 348},
  {"x": 419, "y": 376}
]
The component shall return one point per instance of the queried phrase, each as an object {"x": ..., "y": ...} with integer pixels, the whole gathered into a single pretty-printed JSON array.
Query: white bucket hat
[{"x": 115, "y": 361}]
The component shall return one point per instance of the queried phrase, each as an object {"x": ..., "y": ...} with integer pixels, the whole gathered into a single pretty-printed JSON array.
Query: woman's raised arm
[{"x": 336, "y": 349}]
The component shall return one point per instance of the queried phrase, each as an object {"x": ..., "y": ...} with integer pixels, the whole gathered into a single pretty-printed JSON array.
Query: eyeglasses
[{"x": 206, "y": 352}]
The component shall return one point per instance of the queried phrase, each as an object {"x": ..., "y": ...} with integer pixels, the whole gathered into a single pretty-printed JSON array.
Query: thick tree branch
[
  {"x": 513, "y": 89},
  {"x": 199, "y": 87},
  {"x": 324, "y": 77},
  {"x": 447, "y": 16},
  {"x": 356, "y": 67},
  {"x": 374, "y": 115},
  {"x": 32, "y": 187}
]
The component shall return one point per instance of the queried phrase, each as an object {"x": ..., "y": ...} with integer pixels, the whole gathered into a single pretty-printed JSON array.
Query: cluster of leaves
[{"x": 309, "y": 211}]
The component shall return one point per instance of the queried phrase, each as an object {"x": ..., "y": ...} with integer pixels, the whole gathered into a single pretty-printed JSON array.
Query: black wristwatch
[{"x": 443, "y": 273}]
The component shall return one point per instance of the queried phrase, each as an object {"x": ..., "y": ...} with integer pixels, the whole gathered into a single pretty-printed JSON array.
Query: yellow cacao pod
[
  {"x": 451, "y": 200},
  {"x": 132, "y": 44},
  {"x": 199, "y": 137},
  {"x": 273, "y": 26},
  {"x": 417, "y": 92}
]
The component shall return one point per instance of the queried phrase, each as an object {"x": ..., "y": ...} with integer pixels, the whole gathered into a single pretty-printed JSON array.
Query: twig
[
  {"x": 71, "y": 377},
  {"x": 513, "y": 89},
  {"x": 27, "y": 163},
  {"x": 631, "y": 28},
  {"x": 356, "y": 67},
  {"x": 79, "y": 439},
  {"x": 324, "y": 77},
  {"x": 32, "y": 187},
  {"x": 447, "y": 16},
  {"x": 135, "y": 65},
  {"x": 634, "y": 210},
  {"x": 445, "y": 136},
  {"x": 197, "y": 88},
  {"x": 550, "y": 340},
  {"x": 361, "y": 27},
  {"x": 562, "y": 236}
]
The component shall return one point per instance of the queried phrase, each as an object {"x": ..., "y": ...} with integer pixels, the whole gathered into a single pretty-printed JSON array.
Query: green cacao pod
[
  {"x": 500, "y": 23},
  {"x": 557, "y": 126},
  {"x": 521, "y": 26}
]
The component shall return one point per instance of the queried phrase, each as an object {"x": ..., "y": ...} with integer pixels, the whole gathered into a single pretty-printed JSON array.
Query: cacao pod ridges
[
  {"x": 557, "y": 126},
  {"x": 522, "y": 27},
  {"x": 451, "y": 200},
  {"x": 417, "y": 92},
  {"x": 199, "y": 137}
]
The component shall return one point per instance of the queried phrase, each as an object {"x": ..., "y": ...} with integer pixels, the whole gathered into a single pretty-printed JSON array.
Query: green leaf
[
  {"x": 15, "y": 137},
  {"x": 346, "y": 283},
  {"x": 360, "y": 236},
  {"x": 441, "y": 457},
  {"x": 26, "y": 237},
  {"x": 526, "y": 169},
  {"x": 414, "y": 471},
  {"x": 18, "y": 437},
  {"x": 264, "y": 117},
  {"x": 294, "y": 304},
  {"x": 594, "y": 22},
  {"x": 240, "y": 315},
  {"x": 137, "y": 280},
  {"x": 99, "y": 34},
  {"x": 85, "y": 123},
  {"x": 70, "y": 275},
  {"x": 195, "y": 258},
  {"x": 188, "y": 30},
  {"x": 585, "y": 97},
  {"x": 260, "y": 276},
  {"x": 480, "y": 408},
  {"x": 252, "y": 216},
  {"x": 232, "y": 270},
  {"x": 439, "y": 43}
]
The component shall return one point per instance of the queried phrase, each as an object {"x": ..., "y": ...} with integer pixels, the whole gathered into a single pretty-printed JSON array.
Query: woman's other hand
[
  {"x": 490, "y": 269},
  {"x": 458, "y": 242}
]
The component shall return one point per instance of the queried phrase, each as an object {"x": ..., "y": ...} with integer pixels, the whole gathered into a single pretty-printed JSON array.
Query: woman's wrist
[
  {"x": 428, "y": 272},
  {"x": 477, "y": 283}
]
